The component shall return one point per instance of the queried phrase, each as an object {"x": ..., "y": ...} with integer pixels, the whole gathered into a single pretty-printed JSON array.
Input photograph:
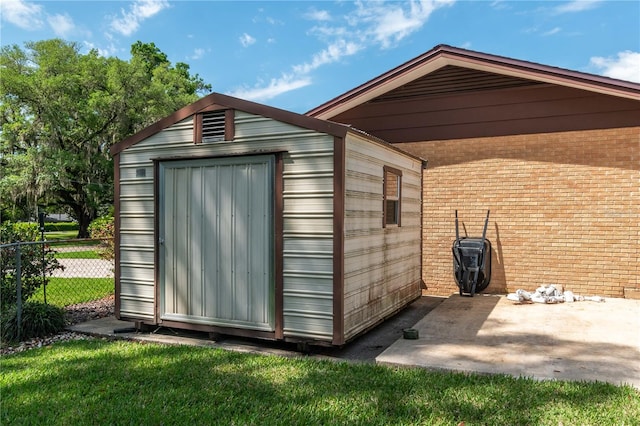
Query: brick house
[{"x": 554, "y": 153}]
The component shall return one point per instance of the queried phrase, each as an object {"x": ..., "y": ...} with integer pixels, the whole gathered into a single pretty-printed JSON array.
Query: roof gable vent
[{"x": 213, "y": 125}]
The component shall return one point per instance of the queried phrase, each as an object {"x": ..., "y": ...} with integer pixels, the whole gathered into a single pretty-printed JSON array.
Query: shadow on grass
[{"x": 123, "y": 383}]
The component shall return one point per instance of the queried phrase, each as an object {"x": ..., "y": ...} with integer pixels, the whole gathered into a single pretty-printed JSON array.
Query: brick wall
[{"x": 565, "y": 209}]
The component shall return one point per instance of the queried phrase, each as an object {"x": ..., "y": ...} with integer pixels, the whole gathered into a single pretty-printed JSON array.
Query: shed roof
[
  {"x": 224, "y": 101},
  {"x": 444, "y": 56}
]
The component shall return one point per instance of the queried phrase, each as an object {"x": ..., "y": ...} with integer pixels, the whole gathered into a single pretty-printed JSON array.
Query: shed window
[
  {"x": 214, "y": 126},
  {"x": 392, "y": 190}
]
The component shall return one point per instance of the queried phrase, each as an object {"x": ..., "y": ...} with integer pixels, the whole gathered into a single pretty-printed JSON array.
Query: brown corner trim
[
  {"x": 116, "y": 236},
  {"x": 156, "y": 235},
  {"x": 197, "y": 128},
  {"x": 229, "y": 124}
]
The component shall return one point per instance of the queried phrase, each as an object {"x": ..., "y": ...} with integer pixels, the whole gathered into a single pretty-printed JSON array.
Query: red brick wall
[{"x": 565, "y": 209}]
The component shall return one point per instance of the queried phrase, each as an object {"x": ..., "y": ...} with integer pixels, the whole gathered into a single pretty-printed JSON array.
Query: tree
[{"x": 61, "y": 111}]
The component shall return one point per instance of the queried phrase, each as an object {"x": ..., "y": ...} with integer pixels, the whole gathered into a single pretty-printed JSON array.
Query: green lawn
[
  {"x": 60, "y": 235},
  {"x": 69, "y": 291},
  {"x": 102, "y": 382},
  {"x": 81, "y": 254}
]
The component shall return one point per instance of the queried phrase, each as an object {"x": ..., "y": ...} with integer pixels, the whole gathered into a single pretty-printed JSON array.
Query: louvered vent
[{"x": 213, "y": 126}]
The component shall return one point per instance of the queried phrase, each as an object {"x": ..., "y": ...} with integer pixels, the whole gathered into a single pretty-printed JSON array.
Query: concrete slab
[
  {"x": 364, "y": 348},
  {"x": 581, "y": 341},
  {"x": 106, "y": 327}
]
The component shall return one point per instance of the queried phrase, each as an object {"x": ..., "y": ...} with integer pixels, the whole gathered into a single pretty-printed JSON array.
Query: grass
[
  {"x": 60, "y": 235},
  {"x": 82, "y": 254},
  {"x": 120, "y": 382},
  {"x": 69, "y": 291}
]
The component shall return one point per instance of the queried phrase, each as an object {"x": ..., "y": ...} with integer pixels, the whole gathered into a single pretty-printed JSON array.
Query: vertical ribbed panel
[{"x": 216, "y": 220}]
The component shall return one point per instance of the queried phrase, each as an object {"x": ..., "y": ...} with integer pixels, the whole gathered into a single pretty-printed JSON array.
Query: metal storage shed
[{"x": 239, "y": 218}]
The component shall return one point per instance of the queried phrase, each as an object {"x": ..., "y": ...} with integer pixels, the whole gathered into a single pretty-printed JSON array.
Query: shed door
[{"x": 216, "y": 250}]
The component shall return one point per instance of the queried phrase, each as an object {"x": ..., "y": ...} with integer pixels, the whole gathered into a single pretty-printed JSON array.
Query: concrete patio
[{"x": 580, "y": 341}]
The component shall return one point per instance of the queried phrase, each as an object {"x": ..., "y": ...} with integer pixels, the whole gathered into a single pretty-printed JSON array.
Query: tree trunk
[{"x": 83, "y": 225}]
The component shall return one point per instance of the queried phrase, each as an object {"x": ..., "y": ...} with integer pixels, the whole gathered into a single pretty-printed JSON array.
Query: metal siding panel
[
  {"x": 313, "y": 205},
  {"x": 210, "y": 246},
  {"x": 135, "y": 189},
  {"x": 136, "y": 308},
  {"x": 382, "y": 266},
  {"x": 138, "y": 205},
  {"x": 194, "y": 243},
  {"x": 308, "y": 185},
  {"x": 241, "y": 271},
  {"x": 138, "y": 254},
  {"x": 259, "y": 210},
  {"x": 225, "y": 243}
]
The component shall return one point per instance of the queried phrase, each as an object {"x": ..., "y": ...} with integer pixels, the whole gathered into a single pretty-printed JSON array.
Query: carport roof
[{"x": 443, "y": 56}]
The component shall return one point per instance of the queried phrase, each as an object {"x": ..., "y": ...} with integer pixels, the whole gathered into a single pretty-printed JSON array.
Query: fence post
[{"x": 19, "y": 289}]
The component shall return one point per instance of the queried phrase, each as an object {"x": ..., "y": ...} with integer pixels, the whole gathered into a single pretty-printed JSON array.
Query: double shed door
[{"x": 216, "y": 241}]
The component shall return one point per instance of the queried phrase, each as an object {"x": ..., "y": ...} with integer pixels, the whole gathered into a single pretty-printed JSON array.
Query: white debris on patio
[{"x": 550, "y": 294}]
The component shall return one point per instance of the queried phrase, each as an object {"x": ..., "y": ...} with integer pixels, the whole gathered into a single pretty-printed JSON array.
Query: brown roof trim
[
  {"x": 443, "y": 55},
  {"x": 220, "y": 100}
]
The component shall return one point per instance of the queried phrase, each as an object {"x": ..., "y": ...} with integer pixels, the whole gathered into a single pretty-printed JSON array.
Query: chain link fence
[{"x": 71, "y": 274}]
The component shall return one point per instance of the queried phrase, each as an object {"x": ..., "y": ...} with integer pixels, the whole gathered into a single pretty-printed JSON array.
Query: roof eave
[{"x": 443, "y": 55}]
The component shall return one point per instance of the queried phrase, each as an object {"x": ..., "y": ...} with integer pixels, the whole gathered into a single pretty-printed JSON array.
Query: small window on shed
[
  {"x": 214, "y": 126},
  {"x": 392, "y": 194}
]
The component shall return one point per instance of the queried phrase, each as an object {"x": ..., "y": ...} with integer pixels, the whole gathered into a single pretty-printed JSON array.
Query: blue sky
[{"x": 298, "y": 54}]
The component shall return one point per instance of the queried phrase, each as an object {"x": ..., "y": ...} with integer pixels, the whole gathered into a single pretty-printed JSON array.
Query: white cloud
[
  {"x": 246, "y": 40},
  {"x": 553, "y": 31},
  {"x": 500, "y": 5},
  {"x": 577, "y": 6},
  {"x": 197, "y": 54},
  {"x": 276, "y": 86},
  {"x": 333, "y": 53},
  {"x": 390, "y": 23},
  {"x": 318, "y": 15},
  {"x": 140, "y": 10},
  {"x": 626, "y": 66},
  {"x": 62, "y": 25},
  {"x": 22, "y": 14}
]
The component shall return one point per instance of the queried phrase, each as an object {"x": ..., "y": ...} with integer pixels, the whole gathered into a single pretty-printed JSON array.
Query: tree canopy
[{"x": 60, "y": 112}]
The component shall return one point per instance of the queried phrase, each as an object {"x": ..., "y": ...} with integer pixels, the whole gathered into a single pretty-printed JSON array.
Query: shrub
[
  {"x": 12, "y": 232},
  {"x": 38, "y": 320},
  {"x": 60, "y": 226},
  {"x": 103, "y": 228},
  {"x": 32, "y": 262}
]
